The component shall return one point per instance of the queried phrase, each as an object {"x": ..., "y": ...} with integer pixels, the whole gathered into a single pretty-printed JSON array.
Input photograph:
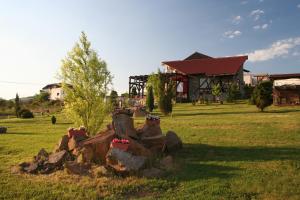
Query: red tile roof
[{"x": 208, "y": 66}]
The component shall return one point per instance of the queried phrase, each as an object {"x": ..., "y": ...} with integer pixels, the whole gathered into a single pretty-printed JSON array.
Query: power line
[{"x": 21, "y": 83}]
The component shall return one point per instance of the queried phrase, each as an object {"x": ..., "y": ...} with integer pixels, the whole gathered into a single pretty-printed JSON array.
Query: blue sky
[{"x": 134, "y": 36}]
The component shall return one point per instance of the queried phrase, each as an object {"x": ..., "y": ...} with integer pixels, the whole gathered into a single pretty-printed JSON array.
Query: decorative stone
[
  {"x": 62, "y": 144},
  {"x": 138, "y": 149},
  {"x": 57, "y": 158},
  {"x": 156, "y": 143},
  {"x": 123, "y": 125},
  {"x": 173, "y": 142},
  {"x": 167, "y": 163},
  {"x": 73, "y": 167},
  {"x": 123, "y": 161}
]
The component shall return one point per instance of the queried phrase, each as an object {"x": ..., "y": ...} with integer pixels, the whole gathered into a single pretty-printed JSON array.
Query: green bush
[
  {"x": 53, "y": 119},
  {"x": 233, "y": 93},
  {"x": 262, "y": 95},
  {"x": 150, "y": 99},
  {"x": 25, "y": 114}
]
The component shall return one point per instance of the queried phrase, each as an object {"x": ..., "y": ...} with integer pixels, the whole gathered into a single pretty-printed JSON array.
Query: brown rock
[
  {"x": 86, "y": 155},
  {"x": 138, "y": 149},
  {"x": 73, "y": 167},
  {"x": 100, "y": 144},
  {"x": 58, "y": 158},
  {"x": 123, "y": 125},
  {"x": 139, "y": 112},
  {"x": 151, "y": 128},
  {"x": 167, "y": 163},
  {"x": 123, "y": 161},
  {"x": 62, "y": 144},
  {"x": 100, "y": 171},
  {"x": 75, "y": 140},
  {"x": 32, "y": 168},
  {"x": 173, "y": 142},
  {"x": 156, "y": 143},
  {"x": 152, "y": 173}
]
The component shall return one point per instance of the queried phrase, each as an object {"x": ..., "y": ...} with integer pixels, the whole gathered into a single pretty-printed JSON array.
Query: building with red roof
[{"x": 196, "y": 75}]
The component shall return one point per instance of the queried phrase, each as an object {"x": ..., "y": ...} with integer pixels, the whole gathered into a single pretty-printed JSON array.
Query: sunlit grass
[{"x": 230, "y": 152}]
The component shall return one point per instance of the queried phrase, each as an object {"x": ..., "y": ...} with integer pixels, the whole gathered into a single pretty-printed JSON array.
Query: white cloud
[
  {"x": 298, "y": 6},
  {"x": 280, "y": 48},
  {"x": 237, "y": 19},
  {"x": 260, "y": 1},
  {"x": 232, "y": 34},
  {"x": 256, "y": 14},
  {"x": 264, "y": 26},
  {"x": 296, "y": 53},
  {"x": 244, "y": 2}
]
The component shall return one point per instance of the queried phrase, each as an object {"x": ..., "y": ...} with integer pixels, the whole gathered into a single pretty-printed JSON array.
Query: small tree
[
  {"x": 233, "y": 93},
  {"x": 262, "y": 95},
  {"x": 17, "y": 105},
  {"x": 84, "y": 101},
  {"x": 53, "y": 119},
  {"x": 42, "y": 97},
  {"x": 216, "y": 91},
  {"x": 163, "y": 90},
  {"x": 113, "y": 98},
  {"x": 150, "y": 99}
]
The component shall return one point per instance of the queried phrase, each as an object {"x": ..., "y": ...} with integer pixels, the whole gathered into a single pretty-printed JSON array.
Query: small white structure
[
  {"x": 249, "y": 79},
  {"x": 55, "y": 91},
  {"x": 287, "y": 82}
]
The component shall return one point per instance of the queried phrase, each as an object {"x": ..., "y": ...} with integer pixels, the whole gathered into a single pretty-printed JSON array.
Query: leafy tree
[
  {"x": 89, "y": 79},
  {"x": 163, "y": 90},
  {"x": 126, "y": 95},
  {"x": 248, "y": 90},
  {"x": 150, "y": 99},
  {"x": 42, "y": 97},
  {"x": 17, "y": 105},
  {"x": 216, "y": 91},
  {"x": 233, "y": 93},
  {"x": 262, "y": 95},
  {"x": 113, "y": 97},
  {"x": 53, "y": 120}
]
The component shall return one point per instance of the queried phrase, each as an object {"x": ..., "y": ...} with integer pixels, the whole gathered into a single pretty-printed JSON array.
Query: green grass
[{"x": 230, "y": 152}]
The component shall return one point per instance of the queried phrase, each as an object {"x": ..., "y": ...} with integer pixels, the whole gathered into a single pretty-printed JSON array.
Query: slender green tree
[
  {"x": 85, "y": 80},
  {"x": 17, "y": 105},
  {"x": 150, "y": 99},
  {"x": 113, "y": 98},
  {"x": 262, "y": 95},
  {"x": 216, "y": 91}
]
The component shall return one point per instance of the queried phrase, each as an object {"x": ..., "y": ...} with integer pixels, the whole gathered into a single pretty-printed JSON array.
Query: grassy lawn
[{"x": 230, "y": 152}]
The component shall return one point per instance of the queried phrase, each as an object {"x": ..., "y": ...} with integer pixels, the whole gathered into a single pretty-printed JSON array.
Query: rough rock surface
[
  {"x": 123, "y": 161},
  {"x": 173, "y": 142},
  {"x": 138, "y": 149},
  {"x": 167, "y": 163},
  {"x": 123, "y": 125},
  {"x": 62, "y": 144},
  {"x": 156, "y": 143},
  {"x": 73, "y": 167}
]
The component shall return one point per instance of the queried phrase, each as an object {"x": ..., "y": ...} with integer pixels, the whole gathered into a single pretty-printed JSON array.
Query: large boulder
[
  {"x": 138, "y": 149},
  {"x": 58, "y": 158},
  {"x": 75, "y": 140},
  {"x": 62, "y": 144},
  {"x": 99, "y": 144},
  {"x": 156, "y": 144},
  {"x": 122, "y": 161},
  {"x": 167, "y": 163},
  {"x": 173, "y": 142},
  {"x": 72, "y": 167},
  {"x": 151, "y": 128},
  {"x": 123, "y": 125}
]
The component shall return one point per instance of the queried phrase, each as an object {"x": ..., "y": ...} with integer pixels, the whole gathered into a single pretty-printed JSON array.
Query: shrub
[
  {"x": 233, "y": 93},
  {"x": 53, "y": 119},
  {"x": 150, "y": 99},
  {"x": 262, "y": 95},
  {"x": 25, "y": 114}
]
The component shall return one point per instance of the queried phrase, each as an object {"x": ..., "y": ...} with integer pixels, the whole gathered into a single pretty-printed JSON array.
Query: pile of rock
[{"x": 121, "y": 149}]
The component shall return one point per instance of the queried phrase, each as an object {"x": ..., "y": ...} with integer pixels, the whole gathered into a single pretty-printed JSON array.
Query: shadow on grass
[
  {"x": 202, "y": 152},
  {"x": 233, "y": 113}
]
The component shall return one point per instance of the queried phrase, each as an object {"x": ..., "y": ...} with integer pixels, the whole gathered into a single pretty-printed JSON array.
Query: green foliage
[
  {"x": 216, "y": 91},
  {"x": 126, "y": 95},
  {"x": 17, "y": 105},
  {"x": 248, "y": 90},
  {"x": 26, "y": 114},
  {"x": 113, "y": 98},
  {"x": 150, "y": 99},
  {"x": 89, "y": 79},
  {"x": 262, "y": 95},
  {"x": 233, "y": 93},
  {"x": 42, "y": 97},
  {"x": 164, "y": 91},
  {"x": 53, "y": 119}
]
